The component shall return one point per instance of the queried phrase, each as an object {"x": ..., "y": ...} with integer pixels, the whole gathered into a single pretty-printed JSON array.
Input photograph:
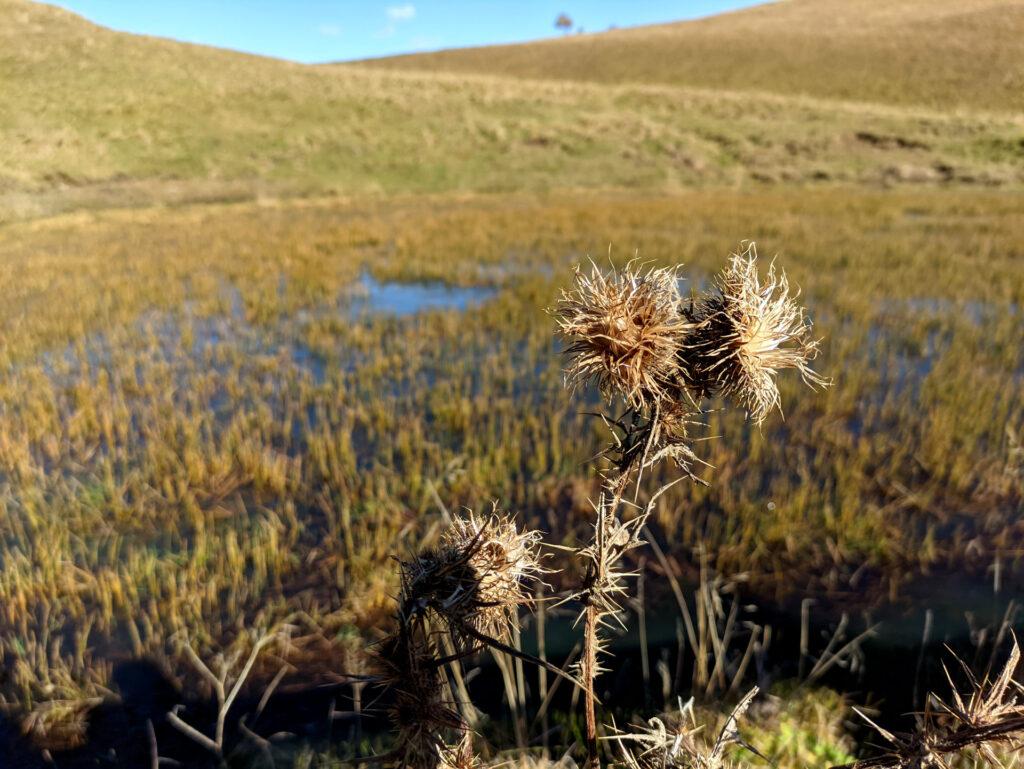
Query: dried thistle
[
  {"x": 467, "y": 590},
  {"x": 600, "y": 592},
  {"x": 604, "y": 583},
  {"x": 458, "y": 756},
  {"x": 602, "y": 588},
  {"x": 656, "y": 746},
  {"x": 992, "y": 714},
  {"x": 421, "y": 715},
  {"x": 745, "y": 332},
  {"x": 644, "y": 439},
  {"x": 626, "y": 328},
  {"x": 478, "y": 577}
]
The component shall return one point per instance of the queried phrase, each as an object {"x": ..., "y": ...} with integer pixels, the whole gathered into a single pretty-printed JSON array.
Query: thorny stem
[
  {"x": 589, "y": 673},
  {"x": 588, "y": 666}
]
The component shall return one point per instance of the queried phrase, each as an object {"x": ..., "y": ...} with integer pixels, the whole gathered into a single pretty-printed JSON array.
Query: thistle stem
[
  {"x": 590, "y": 626},
  {"x": 589, "y": 673}
]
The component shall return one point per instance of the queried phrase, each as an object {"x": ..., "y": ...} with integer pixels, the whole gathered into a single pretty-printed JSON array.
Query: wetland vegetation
[
  {"x": 200, "y": 437},
  {"x": 238, "y": 376}
]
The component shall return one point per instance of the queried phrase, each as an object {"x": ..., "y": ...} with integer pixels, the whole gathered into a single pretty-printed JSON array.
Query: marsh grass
[{"x": 193, "y": 439}]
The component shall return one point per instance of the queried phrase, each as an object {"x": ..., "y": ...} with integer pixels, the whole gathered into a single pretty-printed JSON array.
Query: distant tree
[{"x": 563, "y": 23}]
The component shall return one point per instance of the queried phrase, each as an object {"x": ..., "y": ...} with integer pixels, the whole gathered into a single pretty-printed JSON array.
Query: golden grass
[
  {"x": 96, "y": 118},
  {"x": 939, "y": 53},
  {"x": 196, "y": 434}
]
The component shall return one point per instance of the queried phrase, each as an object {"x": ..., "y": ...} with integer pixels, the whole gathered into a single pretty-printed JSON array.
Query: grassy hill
[
  {"x": 937, "y": 53},
  {"x": 91, "y": 117}
]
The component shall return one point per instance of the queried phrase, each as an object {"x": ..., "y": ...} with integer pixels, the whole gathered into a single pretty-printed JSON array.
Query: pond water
[
  {"x": 898, "y": 658},
  {"x": 371, "y": 296}
]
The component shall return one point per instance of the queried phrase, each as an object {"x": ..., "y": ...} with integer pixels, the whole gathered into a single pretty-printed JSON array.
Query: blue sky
[{"x": 327, "y": 30}]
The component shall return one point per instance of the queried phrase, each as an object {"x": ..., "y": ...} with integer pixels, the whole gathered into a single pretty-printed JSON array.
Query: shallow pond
[{"x": 372, "y": 296}]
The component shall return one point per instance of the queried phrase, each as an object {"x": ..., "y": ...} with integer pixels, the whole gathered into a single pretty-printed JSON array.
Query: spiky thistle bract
[
  {"x": 422, "y": 716},
  {"x": 625, "y": 329},
  {"x": 746, "y": 331},
  {"x": 990, "y": 715},
  {"x": 479, "y": 576},
  {"x": 676, "y": 744}
]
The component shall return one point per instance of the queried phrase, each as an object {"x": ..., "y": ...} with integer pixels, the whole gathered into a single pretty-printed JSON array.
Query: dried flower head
[
  {"x": 746, "y": 331},
  {"x": 422, "y": 716},
  {"x": 626, "y": 328},
  {"x": 991, "y": 717},
  {"x": 678, "y": 745},
  {"x": 478, "y": 577}
]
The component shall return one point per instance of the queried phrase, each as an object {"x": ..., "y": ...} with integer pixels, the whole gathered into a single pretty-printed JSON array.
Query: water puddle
[
  {"x": 371, "y": 296},
  {"x": 890, "y": 665}
]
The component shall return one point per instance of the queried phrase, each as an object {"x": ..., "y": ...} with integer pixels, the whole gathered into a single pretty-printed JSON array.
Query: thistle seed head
[
  {"x": 746, "y": 331},
  {"x": 626, "y": 328},
  {"x": 477, "y": 578},
  {"x": 419, "y": 712}
]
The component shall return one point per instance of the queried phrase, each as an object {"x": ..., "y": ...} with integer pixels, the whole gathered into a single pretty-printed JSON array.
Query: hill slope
[
  {"x": 936, "y": 53},
  {"x": 90, "y": 117}
]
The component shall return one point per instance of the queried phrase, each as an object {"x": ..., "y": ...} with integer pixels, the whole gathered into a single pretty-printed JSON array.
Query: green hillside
[
  {"x": 937, "y": 53},
  {"x": 96, "y": 118}
]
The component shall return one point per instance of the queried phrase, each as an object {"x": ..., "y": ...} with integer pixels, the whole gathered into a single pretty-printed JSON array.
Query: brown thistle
[
  {"x": 470, "y": 588},
  {"x": 421, "y": 715},
  {"x": 657, "y": 746},
  {"x": 626, "y": 329},
  {"x": 459, "y": 755},
  {"x": 476, "y": 579},
  {"x": 641, "y": 439},
  {"x": 992, "y": 714},
  {"x": 746, "y": 331}
]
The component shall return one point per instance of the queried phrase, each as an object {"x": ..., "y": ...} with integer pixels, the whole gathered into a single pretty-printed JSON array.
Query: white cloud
[
  {"x": 402, "y": 12},
  {"x": 329, "y": 30}
]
